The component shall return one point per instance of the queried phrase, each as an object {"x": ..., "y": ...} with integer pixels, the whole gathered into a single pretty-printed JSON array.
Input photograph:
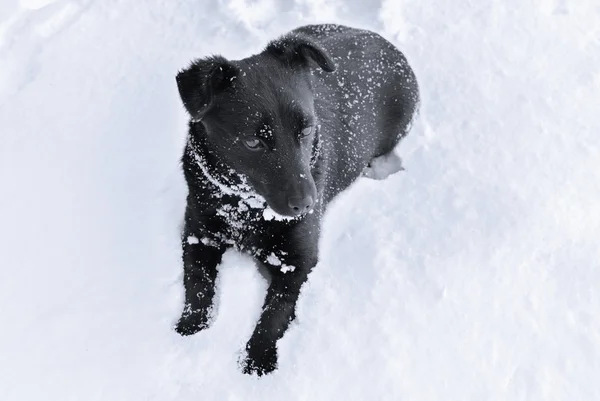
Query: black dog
[{"x": 272, "y": 139}]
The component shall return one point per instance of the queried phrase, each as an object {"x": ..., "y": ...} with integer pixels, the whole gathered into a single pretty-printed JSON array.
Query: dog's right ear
[
  {"x": 300, "y": 50},
  {"x": 203, "y": 79}
]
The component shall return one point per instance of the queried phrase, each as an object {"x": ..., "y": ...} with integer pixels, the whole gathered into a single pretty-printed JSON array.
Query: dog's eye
[
  {"x": 306, "y": 131},
  {"x": 253, "y": 143}
]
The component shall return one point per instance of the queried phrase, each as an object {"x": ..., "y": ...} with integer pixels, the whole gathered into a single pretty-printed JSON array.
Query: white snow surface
[{"x": 473, "y": 275}]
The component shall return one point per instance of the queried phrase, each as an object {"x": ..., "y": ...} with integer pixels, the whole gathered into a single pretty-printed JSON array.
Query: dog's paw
[
  {"x": 191, "y": 323},
  {"x": 260, "y": 363}
]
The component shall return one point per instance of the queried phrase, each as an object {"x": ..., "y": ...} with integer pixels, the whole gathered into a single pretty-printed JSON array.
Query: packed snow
[{"x": 472, "y": 275}]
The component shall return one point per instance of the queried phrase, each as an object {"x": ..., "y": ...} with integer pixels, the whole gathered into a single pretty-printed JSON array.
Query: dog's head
[{"x": 259, "y": 118}]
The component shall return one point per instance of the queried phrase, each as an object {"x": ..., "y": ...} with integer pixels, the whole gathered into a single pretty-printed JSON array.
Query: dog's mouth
[
  {"x": 285, "y": 214},
  {"x": 254, "y": 200},
  {"x": 286, "y": 205},
  {"x": 270, "y": 214}
]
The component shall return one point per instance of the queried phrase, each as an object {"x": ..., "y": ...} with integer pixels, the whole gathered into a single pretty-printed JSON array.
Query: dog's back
[{"x": 366, "y": 105}]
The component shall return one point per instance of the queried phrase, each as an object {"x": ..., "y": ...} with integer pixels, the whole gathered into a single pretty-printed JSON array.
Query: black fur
[{"x": 359, "y": 95}]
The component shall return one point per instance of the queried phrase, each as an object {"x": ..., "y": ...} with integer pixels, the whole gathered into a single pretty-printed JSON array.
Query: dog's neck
[
  {"x": 223, "y": 178},
  {"x": 227, "y": 182}
]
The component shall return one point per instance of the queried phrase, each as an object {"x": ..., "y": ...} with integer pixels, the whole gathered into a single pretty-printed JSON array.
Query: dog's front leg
[
  {"x": 200, "y": 262},
  {"x": 278, "y": 311}
]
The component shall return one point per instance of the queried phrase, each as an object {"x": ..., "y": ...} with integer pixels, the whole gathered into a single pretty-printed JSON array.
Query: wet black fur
[{"x": 357, "y": 91}]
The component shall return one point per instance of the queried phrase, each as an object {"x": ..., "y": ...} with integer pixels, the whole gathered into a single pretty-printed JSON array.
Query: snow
[
  {"x": 192, "y": 240},
  {"x": 287, "y": 268},
  {"x": 275, "y": 261},
  {"x": 472, "y": 275},
  {"x": 270, "y": 214}
]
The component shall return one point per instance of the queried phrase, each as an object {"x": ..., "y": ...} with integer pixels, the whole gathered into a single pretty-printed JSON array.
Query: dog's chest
[
  {"x": 240, "y": 222},
  {"x": 233, "y": 222}
]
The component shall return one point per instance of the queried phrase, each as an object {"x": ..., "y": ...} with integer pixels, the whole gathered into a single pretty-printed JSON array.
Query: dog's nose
[{"x": 300, "y": 205}]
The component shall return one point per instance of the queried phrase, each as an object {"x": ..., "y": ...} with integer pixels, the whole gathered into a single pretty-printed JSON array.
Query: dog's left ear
[
  {"x": 297, "y": 50},
  {"x": 201, "y": 81}
]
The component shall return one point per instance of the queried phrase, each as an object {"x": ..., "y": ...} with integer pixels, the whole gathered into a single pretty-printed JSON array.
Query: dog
[{"x": 273, "y": 138}]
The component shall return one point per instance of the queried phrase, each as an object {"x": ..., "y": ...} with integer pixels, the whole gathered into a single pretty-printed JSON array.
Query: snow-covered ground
[{"x": 473, "y": 275}]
